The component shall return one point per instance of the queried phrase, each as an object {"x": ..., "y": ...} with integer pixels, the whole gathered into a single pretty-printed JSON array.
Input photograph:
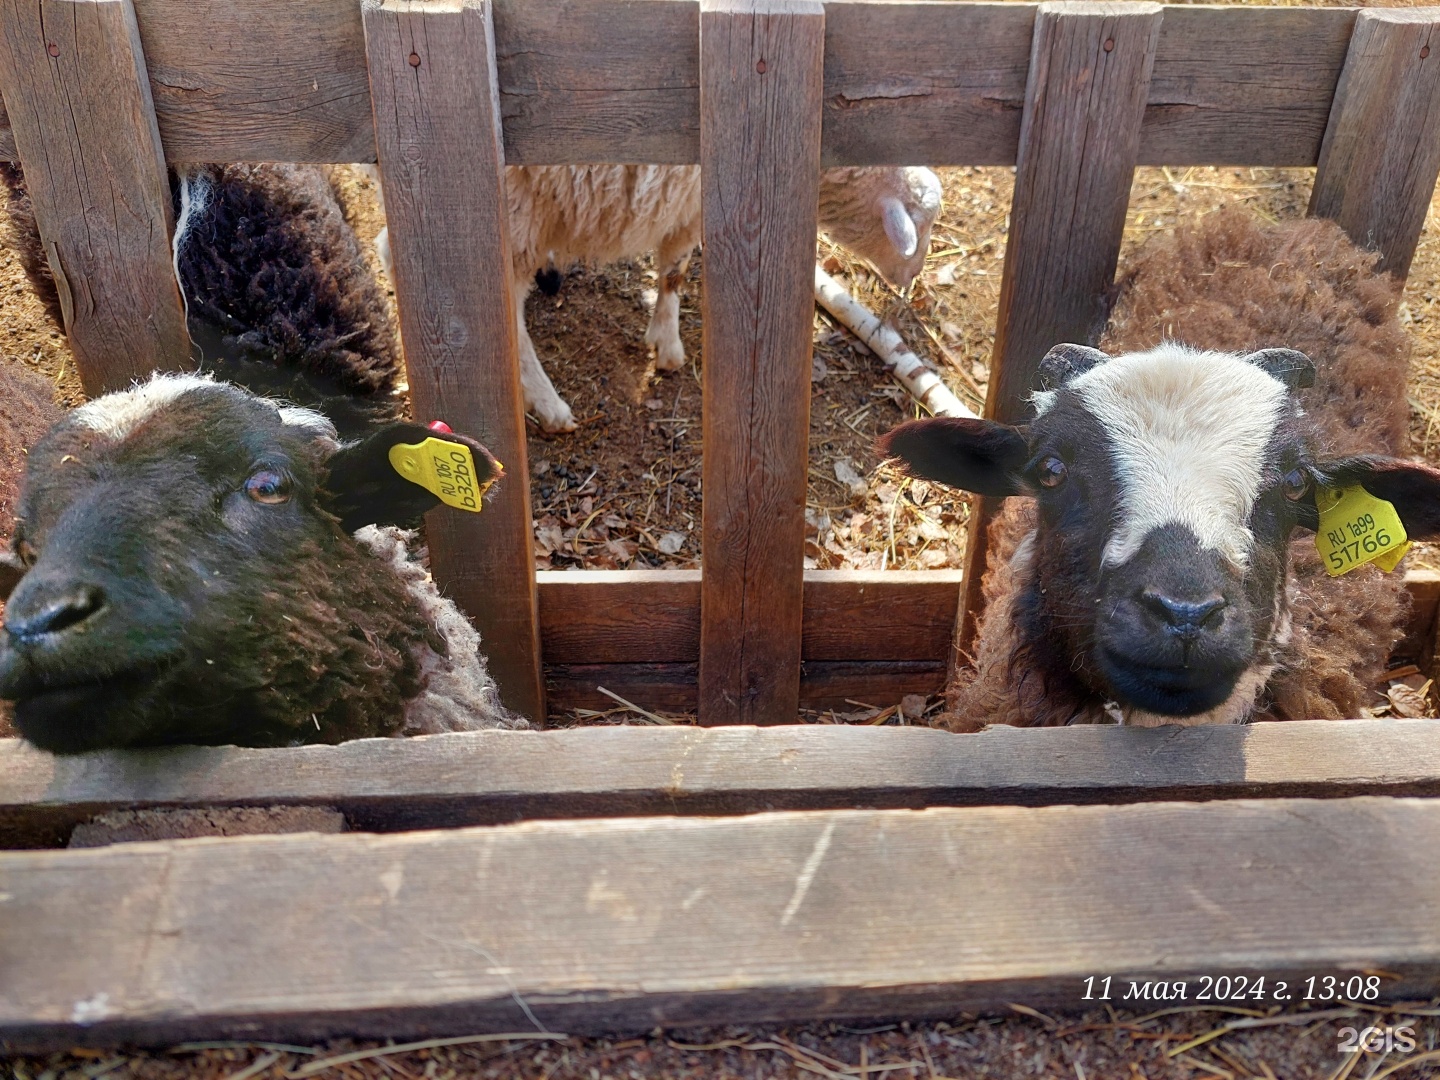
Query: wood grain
[
  {"x": 491, "y": 777},
  {"x": 74, "y": 76},
  {"x": 618, "y": 80},
  {"x": 437, "y": 127},
  {"x": 1381, "y": 153},
  {"x": 630, "y": 616},
  {"x": 761, "y": 80},
  {"x": 623, "y": 925},
  {"x": 599, "y": 80},
  {"x": 1089, "y": 77}
]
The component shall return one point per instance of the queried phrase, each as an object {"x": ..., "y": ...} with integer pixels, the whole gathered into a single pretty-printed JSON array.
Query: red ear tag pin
[{"x": 440, "y": 426}]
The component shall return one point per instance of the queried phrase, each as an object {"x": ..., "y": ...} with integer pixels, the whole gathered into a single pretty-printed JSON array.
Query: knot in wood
[
  {"x": 414, "y": 59},
  {"x": 760, "y": 66}
]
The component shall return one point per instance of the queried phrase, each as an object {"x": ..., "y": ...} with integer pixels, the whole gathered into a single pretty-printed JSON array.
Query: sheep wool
[{"x": 1234, "y": 283}]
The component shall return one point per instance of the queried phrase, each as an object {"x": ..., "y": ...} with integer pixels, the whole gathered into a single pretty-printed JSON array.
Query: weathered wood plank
[
  {"x": 1381, "y": 154},
  {"x": 614, "y": 80},
  {"x": 623, "y": 925},
  {"x": 629, "y": 616},
  {"x": 1419, "y": 641},
  {"x": 492, "y": 777},
  {"x": 761, "y": 67},
  {"x": 73, "y": 74},
  {"x": 944, "y": 81},
  {"x": 1243, "y": 86},
  {"x": 1089, "y": 77},
  {"x": 267, "y": 81},
  {"x": 437, "y": 127},
  {"x": 1089, "y": 74}
]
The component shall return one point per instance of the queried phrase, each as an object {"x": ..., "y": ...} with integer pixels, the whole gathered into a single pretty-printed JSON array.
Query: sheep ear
[
  {"x": 973, "y": 455},
  {"x": 364, "y": 489},
  {"x": 898, "y": 226},
  {"x": 1063, "y": 362},
  {"x": 1290, "y": 366},
  {"x": 11, "y": 571},
  {"x": 1413, "y": 489}
]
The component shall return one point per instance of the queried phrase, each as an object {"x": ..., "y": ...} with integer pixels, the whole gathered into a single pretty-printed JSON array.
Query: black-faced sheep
[
  {"x": 205, "y": 564},
  {"x": 599, "y": 213},
  {"x": 1148, "y": 572}
]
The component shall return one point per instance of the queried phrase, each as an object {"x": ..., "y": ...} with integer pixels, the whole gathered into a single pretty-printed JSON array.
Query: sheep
[
  {"x": 201, "y": 563},
  {"x": 569, "y": 213},
  {"x": 1149, "y": 574}
]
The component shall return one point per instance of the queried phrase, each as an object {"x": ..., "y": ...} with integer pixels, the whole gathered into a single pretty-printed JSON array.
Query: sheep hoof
[
  {"x": 669, "y": 356},
  {"x": 555, "y": 416}
]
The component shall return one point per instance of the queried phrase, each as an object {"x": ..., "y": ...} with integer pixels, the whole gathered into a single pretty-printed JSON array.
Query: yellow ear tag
[
  {"x": 1357, "y": 528},
  {"x": 443, "y": 468}
]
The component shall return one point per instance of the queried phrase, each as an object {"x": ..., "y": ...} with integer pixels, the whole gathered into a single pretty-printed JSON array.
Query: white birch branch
[{"x": 909, "y": 370}]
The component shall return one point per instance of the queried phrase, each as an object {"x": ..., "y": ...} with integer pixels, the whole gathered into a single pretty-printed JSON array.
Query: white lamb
[{"x": 600, "y": 213}]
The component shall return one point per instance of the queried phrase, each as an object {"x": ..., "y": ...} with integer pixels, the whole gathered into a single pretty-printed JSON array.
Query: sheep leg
[
  {"x": 540, "y": 396},
  {"x": 663, "y": 334}
]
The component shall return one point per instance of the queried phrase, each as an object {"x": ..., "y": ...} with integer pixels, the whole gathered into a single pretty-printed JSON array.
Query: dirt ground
[{"x": 1168, "y": 1044}]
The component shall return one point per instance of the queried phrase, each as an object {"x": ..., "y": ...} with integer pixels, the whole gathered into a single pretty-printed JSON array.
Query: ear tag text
[
  {"x": 443, "y": 468},
  {"x": 1357, "y": 528}
]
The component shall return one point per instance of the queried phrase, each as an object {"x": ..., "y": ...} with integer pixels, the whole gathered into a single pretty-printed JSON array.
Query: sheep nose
[
  {"x": 51, "y": 611},
  {"x": 1185, "y": 617}
]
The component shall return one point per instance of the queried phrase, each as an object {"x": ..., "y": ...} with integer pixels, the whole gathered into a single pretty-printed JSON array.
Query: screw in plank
[
  {"x": 760, "y": 67},
  {"x": 414, "y": 59},
  {"x": 1109, "y": 44},
  {"x": 1424, "y": 51},
  {"x": 53, "y": 49}
]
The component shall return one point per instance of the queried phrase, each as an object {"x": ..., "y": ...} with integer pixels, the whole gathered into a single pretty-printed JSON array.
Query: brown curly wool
[{"x": 1234, "y": 283}]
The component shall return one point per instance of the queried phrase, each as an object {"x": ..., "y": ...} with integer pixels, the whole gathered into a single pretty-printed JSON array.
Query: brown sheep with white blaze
[{"x": 1161, "y": 566}]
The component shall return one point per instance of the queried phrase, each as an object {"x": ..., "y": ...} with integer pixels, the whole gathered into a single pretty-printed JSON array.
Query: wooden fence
[
  {"x": 101, "y": 93},
  {"x": 998, "y": 891}
]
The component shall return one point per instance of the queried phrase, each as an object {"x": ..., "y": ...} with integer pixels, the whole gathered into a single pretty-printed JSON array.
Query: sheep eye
[
  {"x": 1051, "y": 472},
  {"x": 269, "y": 487},
  {"x": 1295, "y": 484}
]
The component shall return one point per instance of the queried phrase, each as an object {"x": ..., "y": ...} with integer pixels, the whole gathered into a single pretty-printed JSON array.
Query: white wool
[
  {"x": 459, "y": 694},
  {"x": 195, "y": 192},
  {"x": 1165, "y": 412},
  {"x": 117, "y": 414}
]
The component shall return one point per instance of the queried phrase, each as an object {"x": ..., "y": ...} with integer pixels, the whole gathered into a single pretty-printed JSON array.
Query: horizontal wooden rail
[
  {"x": 868, "y": 636},
  {"x": 585, "y": 926},
  {"x": 484, "y": 778},
  {"x": 618, "y": 80}
]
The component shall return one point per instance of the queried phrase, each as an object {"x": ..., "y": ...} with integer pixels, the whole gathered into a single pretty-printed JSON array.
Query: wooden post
[
  {"x": 761, "y": 79},
  {"x": 1381, "y": 152},
  {"x": 437, "y": 133},
  {"x": 73, "y": 77},
  {"x": 1090, "y": 66}
]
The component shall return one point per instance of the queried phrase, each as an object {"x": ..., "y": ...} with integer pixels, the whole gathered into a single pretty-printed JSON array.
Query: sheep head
[
  {"x": 1168, "y": 484},
  {"x": 189, "y": 575},
  {"x": 884, "y": 215}
]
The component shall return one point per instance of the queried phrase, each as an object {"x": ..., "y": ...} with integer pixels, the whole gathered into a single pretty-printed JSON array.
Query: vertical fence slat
[
  {"x": 761, "y": 85},
  {"x": 1381, "y": 153},
  {"x": 1090, "y": 66},
  {"x": 437, "y": 133},
  {"x": 73, "y": 76}
]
